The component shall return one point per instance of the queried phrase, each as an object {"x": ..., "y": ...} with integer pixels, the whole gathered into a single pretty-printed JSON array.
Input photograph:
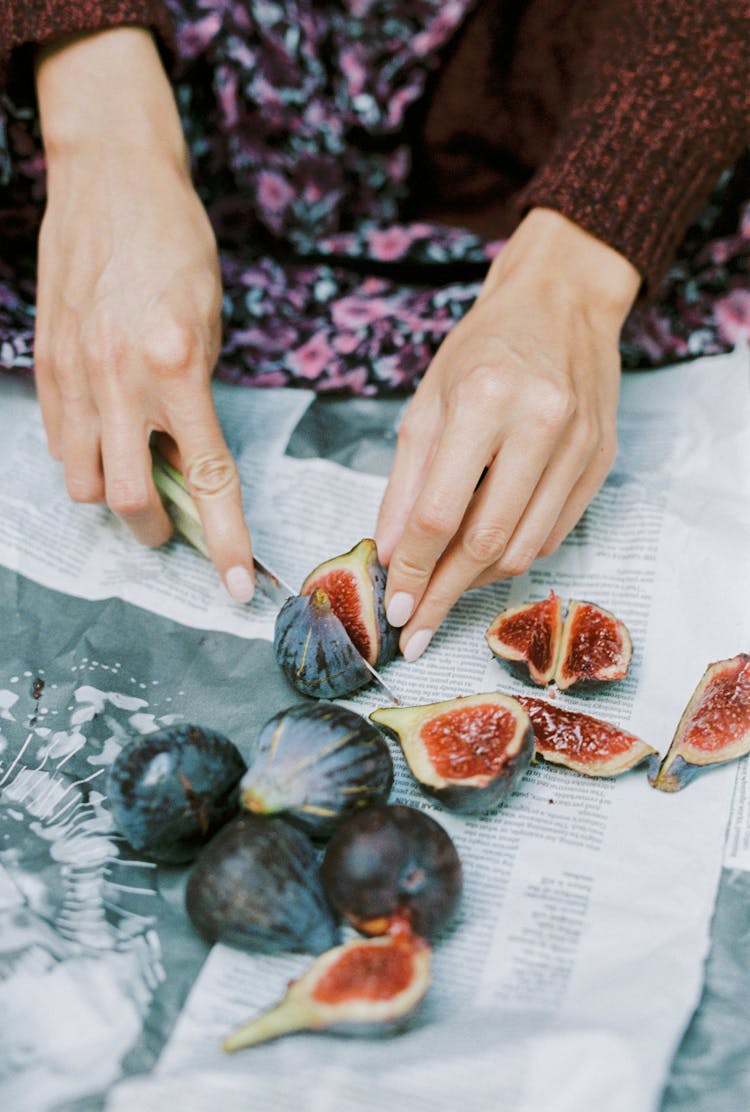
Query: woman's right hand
[{"x": 129, "y": 296}]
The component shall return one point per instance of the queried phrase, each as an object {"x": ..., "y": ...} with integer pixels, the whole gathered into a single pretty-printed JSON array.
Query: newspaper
[{"x": 577, "y": 957}]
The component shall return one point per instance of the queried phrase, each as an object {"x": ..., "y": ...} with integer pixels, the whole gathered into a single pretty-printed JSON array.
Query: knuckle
[
  {"x": 171, "y": 348},
  {"x": 103, "y": 345},
  {"x": 84, "y": 488},
  {"x": 555, "y": 403},
  {"x": 211, "y": 475},
  {"x": 516, "y": 563},
  {"x": 486, "y": 386},
  {"x": 127, "y": 499},
  {"x": 431, "y": 523},
  {"x": 484, "y": 543}
]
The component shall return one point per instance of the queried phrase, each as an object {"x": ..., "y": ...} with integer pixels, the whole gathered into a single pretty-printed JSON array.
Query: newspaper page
[{"x": 577, "y": 956}]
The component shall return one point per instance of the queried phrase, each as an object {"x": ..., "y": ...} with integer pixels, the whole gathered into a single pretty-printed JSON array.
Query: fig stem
[{"x": 286, "y": 1017}]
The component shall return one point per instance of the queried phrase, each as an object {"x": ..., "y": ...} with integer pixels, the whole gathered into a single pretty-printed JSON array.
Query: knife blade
[{"x": 182, "y": 509}]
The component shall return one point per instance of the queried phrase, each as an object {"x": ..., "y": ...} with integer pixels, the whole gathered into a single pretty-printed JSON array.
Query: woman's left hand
[{"x": 522, "y": 395}]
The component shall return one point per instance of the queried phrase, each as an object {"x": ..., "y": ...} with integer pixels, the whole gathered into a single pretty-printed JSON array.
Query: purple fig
[
  {"x": 316, "y": 764},
  {"x": 315, "y": 651},
  {"x": 355, "y": 585},
  {"x": 170, "y": 791},
  {"x": 392, "y": 865},
  {"x": 256, "y": 885}
]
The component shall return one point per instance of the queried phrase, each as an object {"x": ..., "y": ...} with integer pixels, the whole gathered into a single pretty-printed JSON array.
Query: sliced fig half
[
  {"x": 365, "y": 987},
  {"x": 595, "y": 646},
  {"x": 714, "y": 727},
  {"x": 316, "y": 763},
  {"x": 531, "y": 634},
  {"x": 355, "y": 584},
  {"x": 467, "y": 752},
  {"x": 581, "y": 742}
]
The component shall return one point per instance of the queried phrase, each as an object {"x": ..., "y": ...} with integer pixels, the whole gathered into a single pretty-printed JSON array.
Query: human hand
[
  {"x": 526, "y": 387},
  {"x": 129, "y": 297}
]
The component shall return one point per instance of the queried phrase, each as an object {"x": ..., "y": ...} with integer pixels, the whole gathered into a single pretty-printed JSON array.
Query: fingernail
[
  {"x": 417, "y": 644},
  {"x": 240, "y": 584},
  {"x": 400, "y": 609}
]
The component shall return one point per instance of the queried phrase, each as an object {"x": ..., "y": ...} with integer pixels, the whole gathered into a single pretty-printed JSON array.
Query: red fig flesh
[
  {"x": 714, "y": 727},
  {"x": 365, "y": 987},
  {"x": 467, "y": 752},
  {"x": 529, "y": 633},
  {"x": 581, "y": 742},
  {"x": 355, "y": 585},
  {"x": 595, "y": 646}
]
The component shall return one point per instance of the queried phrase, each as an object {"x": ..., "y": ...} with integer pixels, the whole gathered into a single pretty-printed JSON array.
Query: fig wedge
[
  {"x": 391, "y": 866},
  {"x": 714, "y": 727},
  {"x": 529, "y": 634},
  {"x": 579, "y": 741},
  {"x": 468, "y": 752},
  {"x": 595, "y": 646},
  {"x": 365, "y": 987},
  {"x": 256, "y": 885},
  {"x": 314, "y": 650},
  {"x": 355, "y": 585},
  {"x": 316, "y": 764}
]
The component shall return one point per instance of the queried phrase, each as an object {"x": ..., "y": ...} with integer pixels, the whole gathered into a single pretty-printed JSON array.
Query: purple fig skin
[
  {"x": 314, "y": 650},
  {"x": 256, "y": 885},
  {"x": 679, "y": 776},
  {"x": 316, "y": 764},
  {"x": 170, "y": 791},
  {"x": 391, "y": 865}
]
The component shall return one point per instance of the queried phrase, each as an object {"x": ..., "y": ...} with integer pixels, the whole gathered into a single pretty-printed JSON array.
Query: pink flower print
[
  {"x": 358, "y": 312},
  {"x": 274, "y": 192},
  {"x": 353, "y": 70},
  {"x": 345, "y": 342},
  {"x": 195, "y": 37},
  {"x": 389, "y": 244},
  {"x": 312, "y": 358},
  {"x": 732, "y": 315}
]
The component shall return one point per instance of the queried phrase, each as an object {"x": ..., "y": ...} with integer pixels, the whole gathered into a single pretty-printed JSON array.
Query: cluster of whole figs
[{"x": 315, "y": 772}]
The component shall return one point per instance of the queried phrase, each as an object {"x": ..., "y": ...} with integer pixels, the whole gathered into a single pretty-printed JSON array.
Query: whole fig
[
  {"x": 256, "y": 885},
  {"x": 392, "y": 865},
  {"x": 170, "y": 791}
]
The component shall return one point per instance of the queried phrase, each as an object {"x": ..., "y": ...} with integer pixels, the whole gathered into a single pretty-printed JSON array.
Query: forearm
[{"x": 107, "y": 91}]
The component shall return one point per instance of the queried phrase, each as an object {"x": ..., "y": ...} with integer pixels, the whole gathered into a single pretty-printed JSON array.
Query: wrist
[
  {"x": 106, "y": 92},
  {"x": 552, "y": 254}
]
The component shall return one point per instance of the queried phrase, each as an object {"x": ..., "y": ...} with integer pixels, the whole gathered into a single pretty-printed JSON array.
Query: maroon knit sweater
[{"x": 618, "y": 113}]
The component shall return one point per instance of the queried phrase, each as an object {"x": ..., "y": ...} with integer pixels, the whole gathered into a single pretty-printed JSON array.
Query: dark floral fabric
[{"x": 297, "y": 117}]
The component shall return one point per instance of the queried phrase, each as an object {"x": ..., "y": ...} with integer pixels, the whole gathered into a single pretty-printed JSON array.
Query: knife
[{"x": 182, "y": 509}]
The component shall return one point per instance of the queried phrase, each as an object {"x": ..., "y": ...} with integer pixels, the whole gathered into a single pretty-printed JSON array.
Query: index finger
[{"x": 213, "y": 481}]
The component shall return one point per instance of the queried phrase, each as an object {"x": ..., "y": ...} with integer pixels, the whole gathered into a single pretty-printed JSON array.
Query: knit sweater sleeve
[
  {"x": 661, "y": 107},
  {"x": 34, "y": 22}
]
